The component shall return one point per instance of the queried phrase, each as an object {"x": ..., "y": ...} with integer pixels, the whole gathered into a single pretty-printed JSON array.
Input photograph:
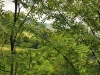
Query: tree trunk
[
  {"x": 12, "y": 40},
  {"x": 12, "y": 53}
]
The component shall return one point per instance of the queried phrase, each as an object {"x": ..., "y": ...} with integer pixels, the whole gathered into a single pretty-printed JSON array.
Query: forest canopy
[{"x": 27, "y": 47}]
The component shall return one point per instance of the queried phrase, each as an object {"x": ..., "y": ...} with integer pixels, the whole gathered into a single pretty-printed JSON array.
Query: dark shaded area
[{"x": 35, "y": 45}]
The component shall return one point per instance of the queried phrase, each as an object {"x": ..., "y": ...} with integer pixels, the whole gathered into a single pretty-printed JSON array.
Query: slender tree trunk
[
  {"x": 12, "y": 52},
  {"x": 12, "y": 40},
  {"x": 11, "y": 70}
]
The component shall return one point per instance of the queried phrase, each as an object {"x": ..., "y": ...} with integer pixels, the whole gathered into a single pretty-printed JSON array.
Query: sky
[{"x": 9, "y": 5}]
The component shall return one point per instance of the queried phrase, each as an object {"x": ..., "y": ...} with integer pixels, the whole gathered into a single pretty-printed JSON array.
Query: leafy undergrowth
[
  {"x": 27, "y": 61},
  {"x": 42, "y": 61}
]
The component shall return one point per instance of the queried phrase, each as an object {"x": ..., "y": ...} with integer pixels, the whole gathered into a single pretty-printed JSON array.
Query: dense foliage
[{"x": 27, "y": 47}]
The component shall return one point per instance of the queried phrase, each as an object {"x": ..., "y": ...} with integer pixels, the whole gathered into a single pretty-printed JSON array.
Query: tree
[
  {"x": 73, "y": 42},
  {"x": 13, "y": 31}
]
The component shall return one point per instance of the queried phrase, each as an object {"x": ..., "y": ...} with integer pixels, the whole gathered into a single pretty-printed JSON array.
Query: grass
[{"x": 6, "y": 47}]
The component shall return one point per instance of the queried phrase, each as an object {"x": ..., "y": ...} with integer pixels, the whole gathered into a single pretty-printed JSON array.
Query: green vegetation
[{"x": 27, "y": 47}]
